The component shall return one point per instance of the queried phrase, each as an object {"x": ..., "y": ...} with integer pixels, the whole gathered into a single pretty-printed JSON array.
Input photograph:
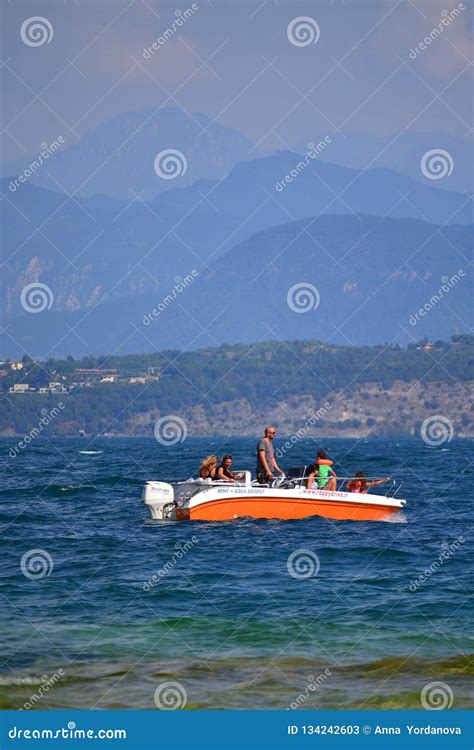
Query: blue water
[{"x": 225, "y": 618}]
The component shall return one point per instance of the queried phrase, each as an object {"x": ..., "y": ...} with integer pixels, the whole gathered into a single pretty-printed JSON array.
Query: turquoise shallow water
[{"x": 222, "y": 616}]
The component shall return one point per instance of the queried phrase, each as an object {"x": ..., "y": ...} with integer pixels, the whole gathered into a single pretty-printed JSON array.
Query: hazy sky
[{"x": 235, "y": 62}]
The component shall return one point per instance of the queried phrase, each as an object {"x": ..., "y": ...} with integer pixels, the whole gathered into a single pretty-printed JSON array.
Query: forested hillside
[{"x": 233, "y": 387}]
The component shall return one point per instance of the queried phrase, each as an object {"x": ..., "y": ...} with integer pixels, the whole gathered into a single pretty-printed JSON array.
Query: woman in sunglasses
[{"x": 224, "y": 473}]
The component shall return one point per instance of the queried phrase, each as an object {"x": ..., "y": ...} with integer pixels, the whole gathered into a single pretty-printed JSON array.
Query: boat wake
[{"x": 398, "y": 517}]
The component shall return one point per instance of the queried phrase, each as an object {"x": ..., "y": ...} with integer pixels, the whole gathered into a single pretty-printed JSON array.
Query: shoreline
[{"x": 221, "y": 436}]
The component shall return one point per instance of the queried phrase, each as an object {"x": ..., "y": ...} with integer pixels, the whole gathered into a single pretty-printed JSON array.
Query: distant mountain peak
[{"x": 118, "y": 157}]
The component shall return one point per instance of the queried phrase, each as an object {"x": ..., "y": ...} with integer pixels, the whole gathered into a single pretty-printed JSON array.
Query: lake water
[{"x": 224, "y": 620}]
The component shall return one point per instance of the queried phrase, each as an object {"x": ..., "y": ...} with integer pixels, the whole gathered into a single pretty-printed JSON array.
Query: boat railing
[{"x": 390, "y": 488}]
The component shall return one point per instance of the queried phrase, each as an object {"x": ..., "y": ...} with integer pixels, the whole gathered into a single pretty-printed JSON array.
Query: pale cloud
[
  {"x": 411, "y": 24},
  {"x": 123, "y": 52},
  {"x": 455, "y": 47},
  {"x": 174, "y": 62},
  {"x": 120, "y": 50}
]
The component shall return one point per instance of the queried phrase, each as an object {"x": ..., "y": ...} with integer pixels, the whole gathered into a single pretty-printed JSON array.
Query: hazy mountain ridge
[
  {"x": 111, "y": 262},
  {"x": 117, "y": 157},
  {"x": 371, "y": 277},
  {"x": 97, "y": 249},
  {"x": 402, "y": 152}
]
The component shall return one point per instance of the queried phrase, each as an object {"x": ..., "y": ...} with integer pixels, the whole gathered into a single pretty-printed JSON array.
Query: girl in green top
[{"x": 321, "y": 475}]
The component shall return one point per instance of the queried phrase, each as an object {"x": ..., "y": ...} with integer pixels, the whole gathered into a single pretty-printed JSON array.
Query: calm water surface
[{"x": 225, "y": 619}]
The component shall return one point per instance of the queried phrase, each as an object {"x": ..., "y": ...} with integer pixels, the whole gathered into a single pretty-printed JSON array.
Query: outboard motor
[{"x": 159, "y": 496}]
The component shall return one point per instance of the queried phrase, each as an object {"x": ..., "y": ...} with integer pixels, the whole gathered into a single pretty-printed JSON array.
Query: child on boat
[
  {"x": 321, "y": 476},
  {"x": 361, "y": 484}
]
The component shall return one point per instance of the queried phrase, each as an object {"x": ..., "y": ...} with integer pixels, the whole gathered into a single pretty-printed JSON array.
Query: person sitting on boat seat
[
  {"x": 266, "y": 462},
  {"x": 207, "y": 470},
  {"x": 224, "y": 473},
  {"x": 361, "y": 484},
  {"x": 321, "y": 476}
]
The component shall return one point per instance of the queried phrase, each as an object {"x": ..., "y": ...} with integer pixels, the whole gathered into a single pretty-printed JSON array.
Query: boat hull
[
  {"x": 274, "y": 506},
  {"x": 226, "y": 510}
]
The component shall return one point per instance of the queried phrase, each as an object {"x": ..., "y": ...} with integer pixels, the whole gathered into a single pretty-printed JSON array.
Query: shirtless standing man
[{"x": 266, "y": 462}]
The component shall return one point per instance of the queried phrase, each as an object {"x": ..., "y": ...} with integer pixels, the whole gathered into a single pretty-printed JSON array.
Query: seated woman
[
  {"x": 207, "y": 470},
  {"x": 361, "y": 484},
  {"x": 319, "y": 474},
  {"x": 224, "y": 473}
]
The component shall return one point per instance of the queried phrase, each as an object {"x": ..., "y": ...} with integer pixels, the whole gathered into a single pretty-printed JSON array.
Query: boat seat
[
  {"x": 296, "y": 475},
  {"x": 243, "y": 477}
]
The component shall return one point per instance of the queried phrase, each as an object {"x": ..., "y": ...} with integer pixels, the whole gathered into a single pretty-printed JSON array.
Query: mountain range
[
  {"x": 91, "y": 249},
  {"x": 403, "y": 152},
  {"x": 343, "y": 279},
  {"x": 374, "y": 242},
  {"x": 117, "y": 158}
]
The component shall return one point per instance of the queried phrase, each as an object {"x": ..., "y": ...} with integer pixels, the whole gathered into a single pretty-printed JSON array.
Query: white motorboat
[{"x": 285, "y": 498}]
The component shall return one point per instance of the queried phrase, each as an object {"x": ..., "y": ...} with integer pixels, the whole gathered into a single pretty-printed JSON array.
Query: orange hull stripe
[{"x": 228, "y": 509}]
